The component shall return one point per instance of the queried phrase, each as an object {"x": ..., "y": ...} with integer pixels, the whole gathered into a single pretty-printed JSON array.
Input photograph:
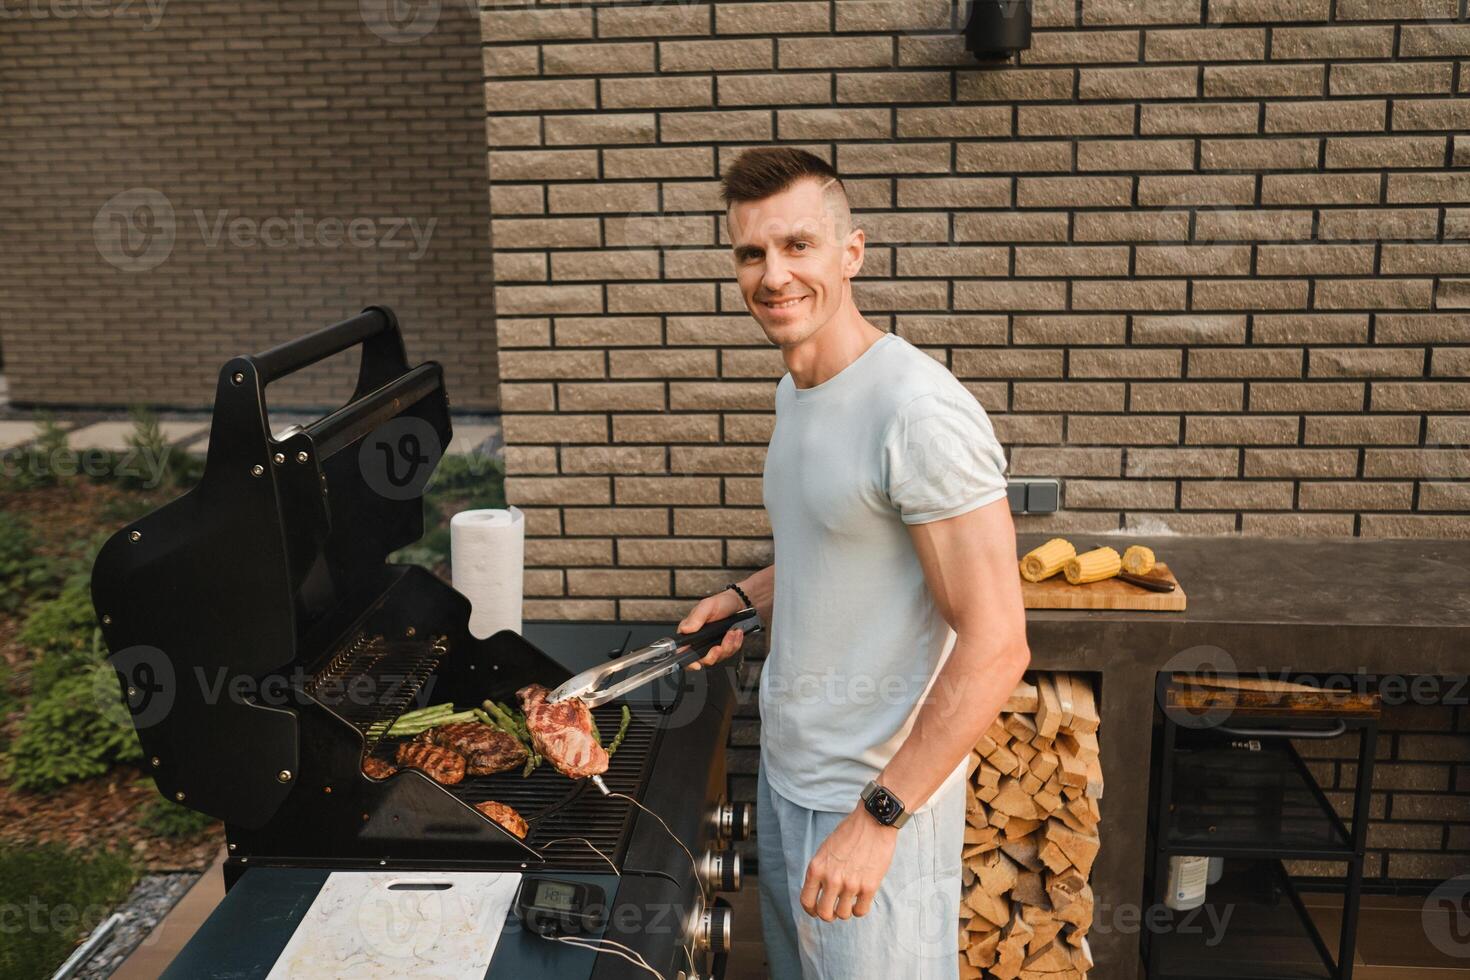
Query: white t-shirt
[{"x": 855, "y": 637}]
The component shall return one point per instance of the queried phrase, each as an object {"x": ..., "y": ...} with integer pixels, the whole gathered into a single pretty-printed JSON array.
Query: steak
[
  {"x": 504, "y": 816},
  {"x": 376, "y": 768},
  {"x": 486, "y": 749},
  {"x": 562, "y": 732},
  {"x": 440, "y": 764}
]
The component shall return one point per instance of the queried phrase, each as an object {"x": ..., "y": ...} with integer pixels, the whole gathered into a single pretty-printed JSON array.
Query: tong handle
[
  {"x": 712, "y": 633},
  {"x": 663, "y": 656}
]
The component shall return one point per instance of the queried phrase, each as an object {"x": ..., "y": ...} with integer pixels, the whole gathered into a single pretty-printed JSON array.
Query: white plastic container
[{"x": 1188, "y": 877}]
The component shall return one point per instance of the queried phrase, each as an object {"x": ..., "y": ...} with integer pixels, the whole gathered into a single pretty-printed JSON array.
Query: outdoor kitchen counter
[{"x": 1314, "y": 606}]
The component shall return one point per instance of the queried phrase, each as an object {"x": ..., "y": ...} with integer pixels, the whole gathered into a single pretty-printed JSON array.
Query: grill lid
[{"x": 213, "y": 604}]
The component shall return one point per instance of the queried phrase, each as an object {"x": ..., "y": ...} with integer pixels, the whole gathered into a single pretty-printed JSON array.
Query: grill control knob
[
  {"x": 714, "y": 930},
  {"x": 721, "y": 870},
  {"x": 737, "y": 820}
]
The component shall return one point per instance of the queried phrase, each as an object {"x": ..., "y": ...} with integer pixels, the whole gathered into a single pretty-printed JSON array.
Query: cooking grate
[{"x": 372, "y": 681}]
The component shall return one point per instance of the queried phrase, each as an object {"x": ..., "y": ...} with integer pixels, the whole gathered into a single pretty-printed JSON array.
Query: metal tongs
[{"x": 663, "y": 656}]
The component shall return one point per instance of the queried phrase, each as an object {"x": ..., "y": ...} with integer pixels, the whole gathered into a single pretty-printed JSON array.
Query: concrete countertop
[{"x": 1337, "y": 609}]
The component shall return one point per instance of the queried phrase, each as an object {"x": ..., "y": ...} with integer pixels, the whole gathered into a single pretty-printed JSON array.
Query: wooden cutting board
[{"x": 1111, "y": 593}]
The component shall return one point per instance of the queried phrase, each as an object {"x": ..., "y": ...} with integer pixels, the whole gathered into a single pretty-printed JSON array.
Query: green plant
[
  {"x": 23, "y": 572},
  {"x": 166, "y": 818},
  {"x": 54, "y": 896},
  {"x": 78, "y": 729},
  {"x": 62, "y": 637},
  {"x": 150, "y": 462}
]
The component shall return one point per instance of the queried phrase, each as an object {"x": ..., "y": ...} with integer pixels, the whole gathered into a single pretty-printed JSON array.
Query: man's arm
[
  {"x": 761, "y": 587},
  {"x": 969, "y": 565}
]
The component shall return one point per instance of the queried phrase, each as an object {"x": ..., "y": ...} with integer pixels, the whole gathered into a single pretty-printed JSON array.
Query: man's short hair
[{"x": 759, "y": 173}]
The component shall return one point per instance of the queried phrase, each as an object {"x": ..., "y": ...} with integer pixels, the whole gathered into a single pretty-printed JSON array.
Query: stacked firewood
[{"x": 1031, "y": 835}]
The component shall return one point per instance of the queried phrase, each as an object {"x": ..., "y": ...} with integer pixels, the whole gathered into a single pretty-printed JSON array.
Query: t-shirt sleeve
[{"x": 941, "y": 458}]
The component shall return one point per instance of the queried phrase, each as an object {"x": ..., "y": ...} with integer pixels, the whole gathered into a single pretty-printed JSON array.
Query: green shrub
[
  {"x": 76, "y": 730},
  {"x": 62, "y": 636},
  {"x": 23, "y": 572},
  {"x": 166, "y": 818},
  {"x": 53, "y": 896},
  {"x": 150, "y": 462}
]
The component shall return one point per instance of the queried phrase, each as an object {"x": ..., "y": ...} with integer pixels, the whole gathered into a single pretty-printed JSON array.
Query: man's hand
[
  {"x": 709, "y": 609},
  {"x": 847, "y": 869}
]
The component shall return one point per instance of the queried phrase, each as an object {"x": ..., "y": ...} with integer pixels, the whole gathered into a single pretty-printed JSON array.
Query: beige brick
[
  {"x": 1306, "y": 396},
  {"x": 692, "y": 161},
  {"x": 515, "y": 199},
  {"x": 1393, "y": 9},
  {"x": 954, "y": 261},
  {"x": 589, "y": 581},
  {"x": 1452, "y": 294},
  {"x": 1010, "y": 296},
  {"x": 604, "y": 197},
  {"x": 662, "y": 364},
  {"x": 1435, "y": 40},
  {"x": 1090, "y": 363},
  {"x": 1206, "y": 44},
  {"x": 523, "y": 365},
  {"x": 699, "y": 330},
  {"x": 663, "y": 20},
  {"x": 527, "y": 397},
  {"x": 1040, "y": 192},
  {"x": 1388, "y": 294},
  {"x": 698, "y": 127},
  {"x": 893, "y": 86},
  {"x": 904, "y": 228},
  {"x": 1365, "y": 152},
  {"x": 666, "y": 490},
  {"x": 544, "y": 581},
  {"x": 1268, "y": 11},
  {"x": 1070, "y": 462},
  {"x": 522, "y": 460},
  {"x": 1018, "y": 363},
  {"x": 557, "y": 490},
  {"x": 507, "y": 165},
  {"x": 1251, "y": 294},
  {"x": 1429, "y": 114},
  {"x": 1193, "y": 329},
  {"x": 706, "y": 395},
  {"x": 1116, "y": 494},
  {"x": 1081, "y": 47},
  {"x": 1130, "y": 226},
  {"x": 1242, "y": 430},
  {"x": 1307, "y": 43},
  {"x": 1319, "y": 189},
  {"x": 1310, "y": 328},
  {"x": 942, "y": 121},
  {"x": 1015, "y": 430},
  {"x": 570, "y": 609},
  {"x": 783, "y": 88},
  {"x": 834, "y": 52},
  {"x": 747, "y": 522},
  {"x": 1186, "y": 396},
  {"x": 954, "y": 192},
  {"x": 1447, "y": 463},
  {"x": 746, "y": 54},
  {"x": 1391, "y": 78},
  {"x": 666, "y": 428},
  {"x": 908, "y": 295},
  {"x": 1259, "y": 154},
  {"x": 524, "y": 95},
  {"x": 1312, "y": 260},
  {"x": 507, "y": 61},
  {"x": 1048, "y": 226},
  {"x": 1135, "y": 154},
  {"x": 701, "y": 263},
  {"x": 598, "y": 59},
  {"x": 1319, "y": 116},
  {"x": 1364, "y": 430},
  {"x": 1234, "y": 495},
  {"x": 1426, "y": 259},
  {"x": 893, "y": 158},
  {"x": 617, "y": 520},
  {"x": 666, "y": 552},
  {"x": 1376, "y": 224},
  {"x": 1246, "y": 362},
  {"x": 1296, "y": 525},
  {"x": 743, "y": 490},
  {"x": 1077, "y": 260},
  {"x": 1138, "y": 83},
  {"x": 520, "y": 267},
  {"x": 513, "y": 300},
  {"x": 957, "y": 329},
  {"x": 1129, "y": 294},
  {"x": 1129, "y": 12},
  {"x": 554, "y": 428},
  {"x": 1187, "y": 260},
  {"x": 1020, "y": 156},
  {"x": 717, "y": 459},
  {"x": 660, "y": 298},
  {"x": 606, "y": 331},
  {"x": 809, "y": 124},
  {"x": 1313, "y": 463},
  {"x": 1075, "y": 120},
  {"x": 1356, "y": 495},
  {"x": 1233, "y": 225},
  {"x": 1164, "y": 462},
  {"x": 1450, "y": 362},
  {"x": 1069, "y": 329},
  {"x": 1447, "y": 430},
  {"x": 1444, "y": 496},
  {"x": 796, "y": 16},
  {"x": 1433, "y": 396},
  {"x": 1262, "y": 81},
  {"x": 1013, "y": 85},
  {"x": 610, "y": 396},
  {"x": 1068, "y": 396},
  {"x": 1128, "y": 430},
  {"x": 1429, "y": 188},
  {"x": 607, "y": 264},
  {"x": 1404, "y": 526},
  {"x": 510, "y": 332},
  {"x": 568, "y": 551},
  {"x": 1167, "y": 119},
  {"x": 893, "y": 15},
  {"x": 535, "y": 25},
  {"x": 741, "y": 363}
]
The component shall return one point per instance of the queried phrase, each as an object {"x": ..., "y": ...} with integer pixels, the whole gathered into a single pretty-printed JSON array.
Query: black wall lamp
[{"x": 998, "y": 28}]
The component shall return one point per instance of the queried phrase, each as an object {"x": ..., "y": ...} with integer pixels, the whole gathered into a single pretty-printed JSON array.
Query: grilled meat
[
  {"x": 486, "y": 749},
  {"x": 504, "y": 816},
  {"x": 562, "y": 732},
  {"x": 440, "y": 764},
  {"x": 376, "y": 768}
]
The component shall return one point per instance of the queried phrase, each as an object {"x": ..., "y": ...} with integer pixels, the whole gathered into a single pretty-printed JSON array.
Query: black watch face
[{"x": 884, "y": 806}]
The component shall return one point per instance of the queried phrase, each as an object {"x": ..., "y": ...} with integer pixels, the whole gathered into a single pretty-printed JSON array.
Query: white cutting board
[{"x": 378, "y": 925}]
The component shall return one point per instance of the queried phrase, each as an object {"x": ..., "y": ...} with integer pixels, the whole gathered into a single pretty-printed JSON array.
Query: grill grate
[{"x": 372, "y": 681}]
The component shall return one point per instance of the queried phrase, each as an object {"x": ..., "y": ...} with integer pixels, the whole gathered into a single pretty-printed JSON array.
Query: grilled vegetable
[
  {"x": 1093, "y": 566},
  {"x": 405, "y": 729},
  {"x": 432, "y": 711},
  {"x": 622, "y": 730},
  {"x": 1138, "y": 560},
  {"x": 1047, "y": 560}
]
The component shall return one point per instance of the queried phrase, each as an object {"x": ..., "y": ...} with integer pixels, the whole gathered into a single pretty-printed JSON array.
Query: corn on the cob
[
  {"x": 1091, "y": 566},
  {"x": 1047, "y": 560},
  {"x": 1138, "y": 560}
]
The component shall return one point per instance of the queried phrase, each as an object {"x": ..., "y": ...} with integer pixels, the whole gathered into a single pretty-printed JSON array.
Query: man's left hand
[{"x": 847, "y": 869}]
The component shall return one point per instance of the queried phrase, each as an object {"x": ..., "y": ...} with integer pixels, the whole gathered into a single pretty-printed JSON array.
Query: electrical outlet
[{"x": 1034, "y": 496}]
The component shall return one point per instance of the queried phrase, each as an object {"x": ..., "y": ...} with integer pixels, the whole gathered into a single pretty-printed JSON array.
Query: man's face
[{"x": 793, "y": 257}]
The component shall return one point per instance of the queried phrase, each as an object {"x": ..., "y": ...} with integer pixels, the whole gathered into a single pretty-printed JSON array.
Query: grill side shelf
[{"x": 372, "y": 681}]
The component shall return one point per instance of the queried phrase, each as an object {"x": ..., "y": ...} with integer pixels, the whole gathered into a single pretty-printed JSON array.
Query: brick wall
[
  {"x": 1208, "y": 265},
  {"x": 252, "y": 111}
]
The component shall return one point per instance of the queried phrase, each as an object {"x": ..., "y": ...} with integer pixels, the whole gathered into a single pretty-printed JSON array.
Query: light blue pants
[{"x": 912, "y": 930}]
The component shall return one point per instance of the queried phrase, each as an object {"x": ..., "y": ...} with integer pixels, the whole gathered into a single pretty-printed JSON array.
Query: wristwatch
[{"x": 886, "y": 808}]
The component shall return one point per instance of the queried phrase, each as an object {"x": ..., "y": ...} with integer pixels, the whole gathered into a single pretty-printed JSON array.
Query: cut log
[
  {"x": 1049, "y": 710},
  {"x": 1023, "y": 852},
  {"x": 997, "y": 873},
  {"x": 1045, "y": 764},
  {"x": 1029, "y": 890},
  {"x": 1011, "y": 950},
  {"x": 1017, "y": 828},
  {"x": 1084, "y": 709},
  {"x": 993, "y": 908},
  {"x": 1021, "y": 727},
  {"x": 1014, "y": 801},
  {"x": 1052, "y": 958},
  {"x": 1022, "y": 699},
  {"x": 1063, "y": 685},
  {"x": 1080, "y": 849}
]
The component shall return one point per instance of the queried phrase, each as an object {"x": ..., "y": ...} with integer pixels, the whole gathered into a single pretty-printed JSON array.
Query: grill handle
[{"x": 376, "y": 324}]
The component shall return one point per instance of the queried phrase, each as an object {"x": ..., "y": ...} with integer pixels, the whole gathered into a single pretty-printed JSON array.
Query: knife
[{"x": 1143, "y": 581}]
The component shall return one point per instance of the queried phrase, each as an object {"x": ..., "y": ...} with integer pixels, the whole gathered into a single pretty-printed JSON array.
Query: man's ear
[{"x": 854, "y": 250}]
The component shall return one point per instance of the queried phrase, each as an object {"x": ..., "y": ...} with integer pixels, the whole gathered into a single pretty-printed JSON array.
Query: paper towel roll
[{"x": 487, "y": 556}]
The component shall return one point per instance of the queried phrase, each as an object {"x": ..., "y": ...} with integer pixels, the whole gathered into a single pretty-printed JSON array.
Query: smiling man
[{"x": 894, "y": 606}]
